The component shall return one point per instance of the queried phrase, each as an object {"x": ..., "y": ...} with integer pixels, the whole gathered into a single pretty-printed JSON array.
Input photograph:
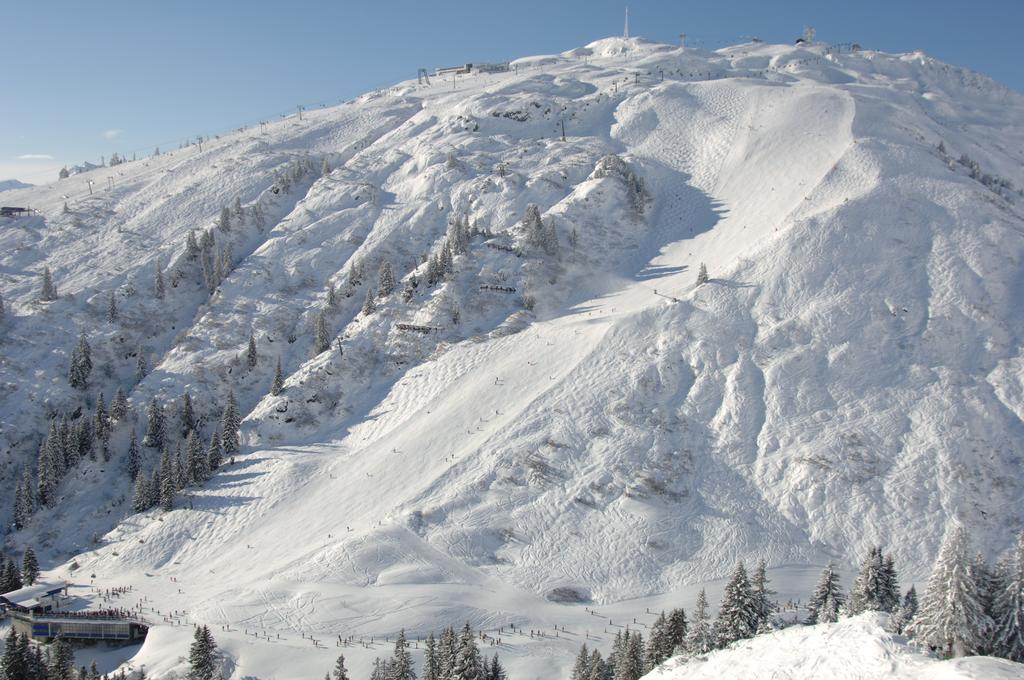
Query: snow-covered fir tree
[
  {"x": 141, "y": 367},
  {"x": 277, "y": 386},
  {"x": 224, "y": 222},
  {"x": 202, "y": 658},
  {"x": 431, "y": 666},
  {"x": 339, "y": 672},
  {"x": 251, "y": 357},
  {"x": 48, "y": 290},
  {"x": 191, "y": 245},
  {"x": 467, "y": 664},
  {"x": 369, "y": 304},
  {"x": 81, "y": 364},
  {"x": 702, "y": 274},
  {"x": 214, "y": 455},
  {"x": 764, "y": 606},
  {"x": 401, "y": 666},
  {"x": 1008, "y": 636},
  {"x": 159, "y": 291},
  {"x": 827, "y": 598},
  {"x": 119, "y": 406},
  {"x": 168, "y": 481},
  {"x": 951, "y": 617},
  {"x": 876, "y": 587},
  {"x": 155, "y": 433},
  {"x": 132, "y": 459},
  {"x": 187, "y": 415},
  {"x": 322, "y": 341},
  {"x": 738, "y": 616},
  {"x": 700, "y": 637},
  {"x": 230, "y": 421},
  {"x": 111, "y": 308},
  {"x": 907, "y": 610},
  {"x": 385, "y": 279},
  {"x": 29, "y": 566}
]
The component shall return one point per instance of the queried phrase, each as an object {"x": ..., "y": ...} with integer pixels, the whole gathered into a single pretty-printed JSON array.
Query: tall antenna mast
[{"x": 625, "y": 32}]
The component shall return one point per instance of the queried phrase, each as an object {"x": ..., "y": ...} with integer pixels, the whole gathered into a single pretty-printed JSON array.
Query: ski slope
[{"x": 850, "y": 375}]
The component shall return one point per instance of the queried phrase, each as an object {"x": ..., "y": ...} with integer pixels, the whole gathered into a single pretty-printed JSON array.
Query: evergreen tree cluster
[
  {"x": 970, "y": 607},
  {"x": 24, "y": 661},
  {"x": 202, "y": 655},
  {"x": 540, "y": 236}
]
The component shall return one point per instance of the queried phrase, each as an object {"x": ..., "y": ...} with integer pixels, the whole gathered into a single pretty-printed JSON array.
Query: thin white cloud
[
  {"x": 112, "y": 134},
  {"x": 35, "y": 157}
]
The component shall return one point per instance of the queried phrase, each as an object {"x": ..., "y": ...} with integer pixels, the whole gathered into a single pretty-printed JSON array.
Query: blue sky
[{"x": 83, "y": 80}]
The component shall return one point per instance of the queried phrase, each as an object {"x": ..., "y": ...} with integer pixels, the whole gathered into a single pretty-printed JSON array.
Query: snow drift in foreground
[{"x": 858, "y": 648}]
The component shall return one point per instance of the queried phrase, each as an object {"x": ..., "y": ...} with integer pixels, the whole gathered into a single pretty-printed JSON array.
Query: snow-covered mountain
[
  {"x": 564, "y": 412},
  {"x": 7, "y": 184}
]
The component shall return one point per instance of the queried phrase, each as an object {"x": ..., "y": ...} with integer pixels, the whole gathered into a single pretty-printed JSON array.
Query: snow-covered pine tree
[
  {"x": 446, "y": 260},
  {"x": 49, "y": 473},
  {"x": 62, "y": 659},
  {"x": 737, "y": 617},
  {"x": 237, "y": 208},
  {"x": 155, "y": 433},
  {"x": 322, "y": 342},
  {"x": 187, "y": 415},
  {"x": 213, "y": 452},
  {"x": 580, "y": 669},
  {"x": 659, "y": 644},
  {"x": 599, "y": 668},
  {"x": 133, "y": 462},
  {"x": 447, "y": 650},
  {"x": 119, "y": 406},
  {"x": 340, "y": 672},
  {"x": 141, "y": 367},
  {"x": 181, "y": 479},
  {"x": 158, "y": 281},
  {"x": 81, "y": 364},
  {"x": 198, "y": 472},
  {"x": 24, "y": 500},
  {"x": 229, "y": 424},
  {"x": 677, "y": 629},
  {"x": 332, "y": 295},
  {"x": 224, "y": 223},
  {"x": 951, "y": 617},
  {"x": 48, "y": 291},
  {"x": 467, "y": 664},
  {"x": 385, "y": 279},
  {"x": 251, "y": 357},
  {"x": 700, "y": 637},
  {"x": 431, "y": 668},
  {"x": 827, "y": 589},
  {"x": 1008, "y": 637},
  {"x": 277, "y": 386},
  {"x": 100, "y": 419},
  {"x": 168, "y": 482},
  {"x": 906, "y": 611},
  {"x": 111, "y": 308},
  {"x": 191, "y": 245},
  {"x": 988, "y": 586},
  {"x": 325, "y": 167},
  {"x": 764, "y": 606},
  {"x": 369, "y": 304},
  {"x": 29, "y": 566},
  {"x": 202, "y": 655},
  {"x": 401, "y": 666},
  {"x": 533, "y": 227},
  {"x": 702, "y": 274},
  {"x": 889, "y": 586},
  {"x": 497, "y": 671},
  {"x": 143, "y": 499}
]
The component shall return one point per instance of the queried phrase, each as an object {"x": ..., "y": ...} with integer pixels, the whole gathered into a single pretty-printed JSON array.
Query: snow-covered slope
[
  {"x": 587, "y": 419},
  {"x": 853, "y": 649}
]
